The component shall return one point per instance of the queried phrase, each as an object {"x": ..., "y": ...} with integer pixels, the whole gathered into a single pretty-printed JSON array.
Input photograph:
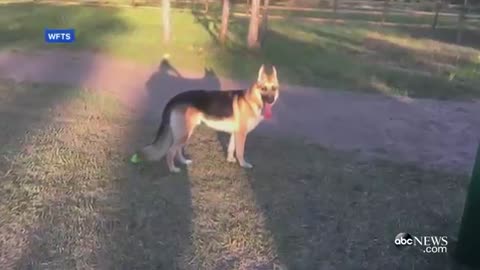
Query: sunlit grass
[
  {"x": 424, "y": 44},
  {"x": 70, "y": 199}
]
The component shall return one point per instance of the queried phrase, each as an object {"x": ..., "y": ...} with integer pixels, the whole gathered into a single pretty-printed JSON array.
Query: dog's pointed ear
[
  {"x": 274, "y": 74},
  {"x": 261, "y": 74}
]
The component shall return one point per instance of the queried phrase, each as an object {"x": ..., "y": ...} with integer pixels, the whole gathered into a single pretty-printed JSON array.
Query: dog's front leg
[
  {"x": 240, "y": 138},
  {"x": 231, "y": 149}
]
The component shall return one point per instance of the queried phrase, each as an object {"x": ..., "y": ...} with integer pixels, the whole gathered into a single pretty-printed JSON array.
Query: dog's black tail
[{"x": 163, "y": 139}]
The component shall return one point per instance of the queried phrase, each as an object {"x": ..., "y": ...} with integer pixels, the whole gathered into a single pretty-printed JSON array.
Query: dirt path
[{"x": 441, "y": 134}]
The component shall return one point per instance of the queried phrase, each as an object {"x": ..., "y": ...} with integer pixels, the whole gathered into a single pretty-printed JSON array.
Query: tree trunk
[
  {"x": 225, "y": 15},
  {"x": 166, "y": 20},
  {"x": 206, "y": 6},
  {"x": 252, "y": 38},
  {"x": 438, "y": 7},
  {"x": 264, "y": 29}
]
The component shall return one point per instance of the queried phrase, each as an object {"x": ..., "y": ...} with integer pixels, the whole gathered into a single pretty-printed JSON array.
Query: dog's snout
[{"x": 268, "y": 99}]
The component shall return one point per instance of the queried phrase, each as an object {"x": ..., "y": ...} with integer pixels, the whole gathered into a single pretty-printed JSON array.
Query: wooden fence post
[
  {"x": 194, "y": 5},
  {"x": 438, "y": 7},
  {"x": 385, "y": 10},
  {"x": 461, "y": 21},
  {"x": 206, "y": 6},
  {"x": 335, "y": 8}
]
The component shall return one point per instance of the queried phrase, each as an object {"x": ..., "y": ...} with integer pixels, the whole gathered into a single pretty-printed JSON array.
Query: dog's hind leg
[
  {"x": 183, "y": 123},
  {"x": 181, "y": 157},
  {"x": 179, "y": 132},
  {"x": 231, "y": 149},
  {"x": 171, "y": 160},
  {"x": 176, "y": 151},
  {"x": 240, "y": 138}
]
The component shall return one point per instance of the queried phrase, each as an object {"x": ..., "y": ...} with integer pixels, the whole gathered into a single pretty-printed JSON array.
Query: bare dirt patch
[{"x": 429, "y": 133}]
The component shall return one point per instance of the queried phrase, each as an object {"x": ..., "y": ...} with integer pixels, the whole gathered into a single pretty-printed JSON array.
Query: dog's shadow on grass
[
  {"x": 223, "y": 138},
  {"x": 166, "y": 82},
  {"x": 157, "y": 210}
]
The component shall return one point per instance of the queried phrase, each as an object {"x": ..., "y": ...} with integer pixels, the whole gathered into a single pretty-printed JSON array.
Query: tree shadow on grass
[
  {"x": 94, "y": 209},
  {"x": 42, "y": 222},
  {"x": 329, "y": 210},
  {"x": 328, "y": 67},
  {"x": 209, "y": 21},
  {"x": 338, "y": 60}
]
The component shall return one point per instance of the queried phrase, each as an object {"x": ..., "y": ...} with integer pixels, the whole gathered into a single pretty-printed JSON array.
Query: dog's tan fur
[{"x": 247, "y": 114}]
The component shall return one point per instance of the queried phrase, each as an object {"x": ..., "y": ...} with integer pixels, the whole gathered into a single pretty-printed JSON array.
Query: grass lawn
[
  {"x": 69, "y": 198},
  {"x": 357, "y": 57}
]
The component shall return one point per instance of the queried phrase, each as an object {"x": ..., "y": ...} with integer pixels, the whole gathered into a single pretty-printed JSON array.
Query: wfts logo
[{"x": 59, "y": 35}]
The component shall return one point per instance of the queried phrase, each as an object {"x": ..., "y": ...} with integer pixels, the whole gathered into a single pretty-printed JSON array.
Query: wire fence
[{"x": 433, "y": 14}]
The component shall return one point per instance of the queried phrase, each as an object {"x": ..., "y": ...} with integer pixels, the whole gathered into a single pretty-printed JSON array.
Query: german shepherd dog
[{"x": 233, "y": 111}]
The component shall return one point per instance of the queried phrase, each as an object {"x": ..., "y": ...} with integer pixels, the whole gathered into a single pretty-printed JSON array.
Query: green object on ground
[
  {"x": 135, "y": 159},
  {"x": 468, "y": 246}
]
